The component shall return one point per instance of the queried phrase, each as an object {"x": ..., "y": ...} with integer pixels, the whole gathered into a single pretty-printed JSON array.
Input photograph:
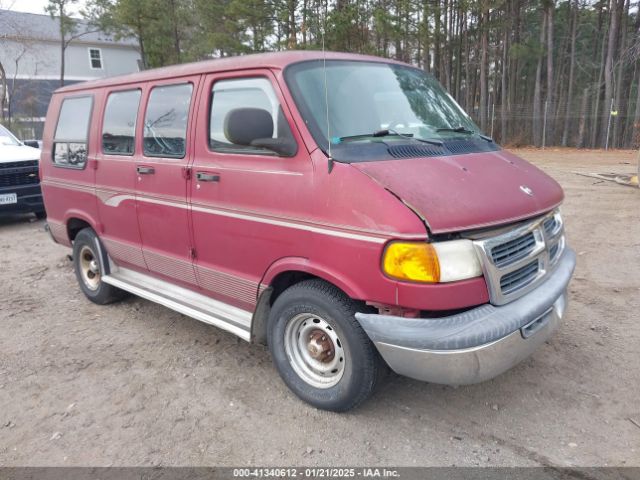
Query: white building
[{"x": 30, "y": 55}]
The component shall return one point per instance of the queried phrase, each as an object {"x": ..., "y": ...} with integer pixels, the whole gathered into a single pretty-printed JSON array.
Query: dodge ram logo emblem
[{"x": 526, "y": 190}]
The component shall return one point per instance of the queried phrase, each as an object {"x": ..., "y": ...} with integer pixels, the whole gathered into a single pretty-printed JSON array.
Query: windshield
[
  {"x": 7, "y": 138},
  {"x": 367, "y": 97}
]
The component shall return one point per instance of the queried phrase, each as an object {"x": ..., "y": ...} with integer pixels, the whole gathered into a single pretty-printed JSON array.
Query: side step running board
[{"x": 182, "y": 300}]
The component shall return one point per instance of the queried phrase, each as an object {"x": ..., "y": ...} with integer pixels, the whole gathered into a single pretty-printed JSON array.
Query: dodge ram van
[{"x": 342, "y": 209}]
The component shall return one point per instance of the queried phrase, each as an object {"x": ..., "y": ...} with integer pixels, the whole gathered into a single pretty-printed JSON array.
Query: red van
[{"x": 342, "y": 209}]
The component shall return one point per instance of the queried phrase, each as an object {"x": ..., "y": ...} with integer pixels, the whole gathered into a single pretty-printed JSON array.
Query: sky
[{"x": 35, "y": 6}]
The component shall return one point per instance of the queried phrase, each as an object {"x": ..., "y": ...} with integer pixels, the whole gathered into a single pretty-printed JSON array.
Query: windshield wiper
[
  {"x": 374, "y": 134},
  {"x": 388, "y": 132},
  {"x": 459, "y": 129},
  {"x": 462, "y": 129}
]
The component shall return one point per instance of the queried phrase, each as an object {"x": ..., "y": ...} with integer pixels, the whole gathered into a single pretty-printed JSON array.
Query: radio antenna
[{"x": 326, "y": 94}]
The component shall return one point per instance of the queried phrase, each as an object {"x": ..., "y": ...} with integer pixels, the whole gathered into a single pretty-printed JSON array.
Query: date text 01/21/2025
[{"x": 316, "y": 472}]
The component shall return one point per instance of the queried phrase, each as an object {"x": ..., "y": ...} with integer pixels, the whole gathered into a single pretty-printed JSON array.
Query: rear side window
[
  {"x": 72, "y": 132},
  {"x": 119, "y": 125},
  {"x": 240, "y": 98},
  {"x": 165, "y": 122}
]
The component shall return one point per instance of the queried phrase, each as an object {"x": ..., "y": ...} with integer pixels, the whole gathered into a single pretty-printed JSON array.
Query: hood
[
  {"x": 18, "y": 153},
  {"x": 465, "y": 192}
]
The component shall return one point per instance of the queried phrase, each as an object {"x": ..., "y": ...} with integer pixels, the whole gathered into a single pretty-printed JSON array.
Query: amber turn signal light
[{"x": 415, "y": 261}]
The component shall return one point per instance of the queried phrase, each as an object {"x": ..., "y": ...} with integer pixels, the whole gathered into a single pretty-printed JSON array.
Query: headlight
[
  {"x": 458, "y": 260},
  {"x": 437, "y": 262}
]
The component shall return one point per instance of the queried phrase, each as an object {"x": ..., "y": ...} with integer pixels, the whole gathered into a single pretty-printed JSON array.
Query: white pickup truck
[{"x": 19, "y": 178}]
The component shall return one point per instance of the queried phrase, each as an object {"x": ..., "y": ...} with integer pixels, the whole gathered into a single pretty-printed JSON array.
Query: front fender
[{"x": 305, "y": 265}]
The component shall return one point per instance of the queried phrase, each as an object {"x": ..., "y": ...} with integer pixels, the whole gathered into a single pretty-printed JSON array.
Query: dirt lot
[{"x": 136, "y": 384}]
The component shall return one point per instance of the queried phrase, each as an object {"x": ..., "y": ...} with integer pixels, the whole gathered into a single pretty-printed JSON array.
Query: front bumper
[
  {"x": 29, "y": 199},
  {"x": 475, "y": 345}
]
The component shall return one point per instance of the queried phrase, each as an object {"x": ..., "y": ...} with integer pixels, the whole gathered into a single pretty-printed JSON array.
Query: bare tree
[
  {"x": 12, "y": 90},
  {"x": 608, "y": 70},
  {"x": 67, "y": 26},
  {"x": 621, "y": 67},
  {"x": 3, "y": 79},
  {"x": 504, "y": 90},
  {"x": 537, "y": 91},
  {"x": 550, "y": 6},
  {"x": 572, "y": 65},
  {"x": 484, "y": 47},
  {"x": 17, "y": 35},
  {"x": 3, "y": 90}
]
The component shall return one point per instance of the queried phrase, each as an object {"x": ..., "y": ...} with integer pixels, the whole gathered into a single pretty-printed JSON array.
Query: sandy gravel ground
[{"x": 136, "y": 384}]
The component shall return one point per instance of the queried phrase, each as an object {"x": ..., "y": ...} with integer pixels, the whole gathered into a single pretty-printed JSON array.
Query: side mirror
[
  {"x": 254, "y": 127},
  {"x": 31, "y": 143}
]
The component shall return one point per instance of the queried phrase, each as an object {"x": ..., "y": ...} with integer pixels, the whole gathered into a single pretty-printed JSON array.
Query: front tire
[
  {"x": 87, "y": 265},
  {"x": 319, "y": 348}
]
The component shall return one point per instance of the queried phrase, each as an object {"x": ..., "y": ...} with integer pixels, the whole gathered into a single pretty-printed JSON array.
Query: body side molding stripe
[
  {"x": 117, "y": 199},
  {"x": 113, "y": 199}
]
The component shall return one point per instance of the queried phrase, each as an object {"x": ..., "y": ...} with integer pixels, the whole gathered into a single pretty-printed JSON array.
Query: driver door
[{"x": 240, "y": 193}]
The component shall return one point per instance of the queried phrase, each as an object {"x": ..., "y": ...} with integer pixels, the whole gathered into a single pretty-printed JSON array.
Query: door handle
[
  {"x": 146, "y": 170},
  {"x": 207, "y": 177}
]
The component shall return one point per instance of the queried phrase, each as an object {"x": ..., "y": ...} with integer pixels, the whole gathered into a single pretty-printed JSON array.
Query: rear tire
[
  {"x": 319, "y": 348},
  {"x": 86, "y": 262}
]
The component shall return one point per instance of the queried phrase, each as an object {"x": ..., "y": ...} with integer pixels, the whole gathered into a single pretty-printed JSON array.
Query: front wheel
[{"x": 319, "y": 348}]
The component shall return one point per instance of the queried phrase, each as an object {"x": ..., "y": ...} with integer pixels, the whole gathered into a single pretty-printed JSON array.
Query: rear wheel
[
  {"x": 320, "y": 349},
  {"x": 87, "y": 265}
]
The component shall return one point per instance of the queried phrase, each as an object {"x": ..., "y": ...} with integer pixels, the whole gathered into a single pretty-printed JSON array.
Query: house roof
[
  {"x": 275, "y": 60},
  {"x": 32, "y": 26}
]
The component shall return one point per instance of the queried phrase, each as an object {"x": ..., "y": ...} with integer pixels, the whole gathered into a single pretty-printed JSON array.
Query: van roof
[{"x": 275, "y": 60}]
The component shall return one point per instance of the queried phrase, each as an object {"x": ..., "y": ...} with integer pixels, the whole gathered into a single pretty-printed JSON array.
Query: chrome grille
[
  {"x": 516, "y": 261},
  {"x": 519, "y": 278},
  {"x": 551, "y": 226},
  {"x": 513, "y": 250}
]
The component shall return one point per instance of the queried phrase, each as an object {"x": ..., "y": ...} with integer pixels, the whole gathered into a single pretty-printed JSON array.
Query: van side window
[
  {"x": 165, "y": 122},
  {"x": 252, "y": 105},
  {"x": 119, "y": 125},
  {"x": 72, "y": 132}
]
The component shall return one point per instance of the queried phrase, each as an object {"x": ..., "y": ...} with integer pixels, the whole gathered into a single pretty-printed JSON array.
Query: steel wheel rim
[
  {"x": 314, "y": 350},
  {"x": 89, "y": 268}
]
